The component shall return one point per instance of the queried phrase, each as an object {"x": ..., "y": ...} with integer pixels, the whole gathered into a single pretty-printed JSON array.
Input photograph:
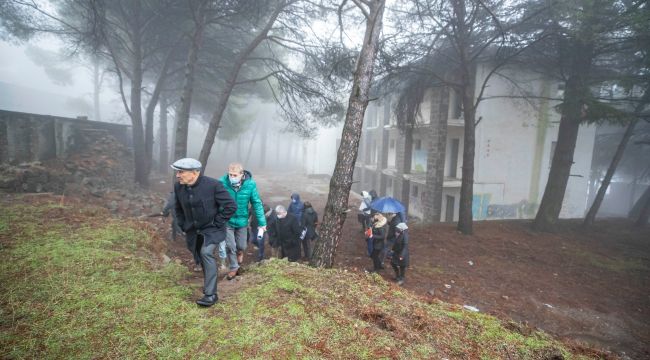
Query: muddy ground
[{"x": 586, "y": 287}]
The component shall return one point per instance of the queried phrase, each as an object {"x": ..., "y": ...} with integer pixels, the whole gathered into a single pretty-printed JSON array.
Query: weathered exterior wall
[
  {"x": 514, "y": 140},
  {"x": 28, "y": 137}
]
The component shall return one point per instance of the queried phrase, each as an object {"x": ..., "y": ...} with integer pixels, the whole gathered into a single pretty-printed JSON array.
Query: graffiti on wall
[{"x": 482, "y": 209}]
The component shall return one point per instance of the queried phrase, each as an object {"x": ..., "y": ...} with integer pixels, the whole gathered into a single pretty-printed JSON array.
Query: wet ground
[{"x": 589, "y": 287}]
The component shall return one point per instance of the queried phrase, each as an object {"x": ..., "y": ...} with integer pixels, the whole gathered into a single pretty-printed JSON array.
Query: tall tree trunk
[
  {"x": 151, "y": 107},
  {"x": 250, "y": 146},
  {"x": 230, "y": 84},
  {"x": 182, "y": 117},
  {"x": 97, "y": 87},
  {"x": 577, "y": 91},
  {"x": 406, "y": 167},
  {"x": 141, "y": 166},
  {"x": 645, "y": 210},
  {"x": 618, "y": 155},
  {"x": 162, "y": 126},
  {"x": 336, "y": 208},
  {"x": 465, "y": 221},
  {"x": 263, "y": 142}
]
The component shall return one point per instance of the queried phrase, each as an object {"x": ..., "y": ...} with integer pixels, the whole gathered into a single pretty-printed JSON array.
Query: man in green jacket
[{"x": 242, "y": 188}]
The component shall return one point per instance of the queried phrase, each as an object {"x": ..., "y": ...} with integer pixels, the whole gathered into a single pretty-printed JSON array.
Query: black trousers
[
  {"x": 400, "y": 271},
  {"x": 377, "y": 259}
]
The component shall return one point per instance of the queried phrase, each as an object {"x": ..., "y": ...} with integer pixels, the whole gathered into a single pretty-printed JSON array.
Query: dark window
[
  {"x": 453, "y": 158},
  {"x": 449, "y": 208}
]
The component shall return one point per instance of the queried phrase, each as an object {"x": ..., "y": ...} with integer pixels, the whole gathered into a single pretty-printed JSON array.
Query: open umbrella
[{"x": 387, "y": 204}]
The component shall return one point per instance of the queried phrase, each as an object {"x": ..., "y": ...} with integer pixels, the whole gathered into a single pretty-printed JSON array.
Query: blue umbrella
[{"x": 387, "y": 204}]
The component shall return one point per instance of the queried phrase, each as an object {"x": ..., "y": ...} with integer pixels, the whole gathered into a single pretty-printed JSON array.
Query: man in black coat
[
  {"x": 287, "y": 230},
  {"x": 203, "y": 207}
]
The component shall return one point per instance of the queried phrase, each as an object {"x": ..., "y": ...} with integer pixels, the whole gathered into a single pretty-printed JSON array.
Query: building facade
[{"x": 515, "y": 138}]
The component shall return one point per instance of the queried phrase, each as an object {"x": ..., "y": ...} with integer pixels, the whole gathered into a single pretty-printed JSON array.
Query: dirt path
[{"x": 586, "y": 286}]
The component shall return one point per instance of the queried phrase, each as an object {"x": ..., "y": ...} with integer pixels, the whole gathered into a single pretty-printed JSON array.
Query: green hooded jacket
[{"x": 247, "y": 193}]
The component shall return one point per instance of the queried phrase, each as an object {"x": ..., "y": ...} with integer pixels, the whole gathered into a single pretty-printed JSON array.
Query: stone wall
[{"x": 28, "y": 137}]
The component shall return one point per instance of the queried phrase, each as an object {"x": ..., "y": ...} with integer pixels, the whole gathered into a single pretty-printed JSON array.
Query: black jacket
[
  {"x": 392, "y": 228},
  {"x": 309, "y": 221},
  {"x": 378, "y": 236},
  {"x": 272, "y": 229},
  {"x": 401, "y": 249},
  {"x": 203, "y": 207},
  {"x": 288, "y": 235}
]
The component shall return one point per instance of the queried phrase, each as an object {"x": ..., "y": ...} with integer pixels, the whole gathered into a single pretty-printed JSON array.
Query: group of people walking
[
  {"x": 386, "y": 236},
  {"x": 226, "y": 214}
]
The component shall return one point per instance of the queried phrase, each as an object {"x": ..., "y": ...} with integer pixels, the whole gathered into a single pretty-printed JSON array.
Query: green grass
[
  {"x": 88, "y": 289},
  {"x": 614, "y": 264}
]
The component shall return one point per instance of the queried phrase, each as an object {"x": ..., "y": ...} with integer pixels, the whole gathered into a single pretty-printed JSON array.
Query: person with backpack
[{"x": 309, "y": 223}]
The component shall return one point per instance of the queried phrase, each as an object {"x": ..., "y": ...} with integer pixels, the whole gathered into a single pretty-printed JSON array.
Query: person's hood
[
  {"x": 373, "y": 194},
  {"x": 295, "y": 196}
]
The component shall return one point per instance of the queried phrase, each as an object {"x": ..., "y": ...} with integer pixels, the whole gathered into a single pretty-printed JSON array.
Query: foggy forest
[{"x": 337, "y": 179}]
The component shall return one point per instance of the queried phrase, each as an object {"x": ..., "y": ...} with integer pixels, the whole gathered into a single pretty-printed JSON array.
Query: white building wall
[{"x": 507, "y": 138}]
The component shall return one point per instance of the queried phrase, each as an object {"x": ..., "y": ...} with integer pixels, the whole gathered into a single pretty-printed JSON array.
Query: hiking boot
[
  {"x": 207, "y": 300},
  {"x": 240, "y": 256}
]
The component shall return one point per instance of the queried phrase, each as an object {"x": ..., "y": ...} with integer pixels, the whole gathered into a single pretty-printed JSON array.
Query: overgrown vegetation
[{"x": 75, "y": 284}]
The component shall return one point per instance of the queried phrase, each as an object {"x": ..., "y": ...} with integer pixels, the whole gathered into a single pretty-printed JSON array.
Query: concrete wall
[
  {"x": 28, "y": 137},
  {"x": 514, "y": 140}
]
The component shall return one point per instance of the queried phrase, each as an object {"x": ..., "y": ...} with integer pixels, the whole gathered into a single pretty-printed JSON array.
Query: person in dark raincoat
[
  {"x": 379, "y": 232},
  {"x": 296, "y": 207},
  {"x": 288, "y": 232},
  {"x": 271, "y": 235},
  {"x": 400, "y": 259},
  {"x": 393, "y": 220},
  {"x": 203, "y": 207},
  {"x": 309, "y": 222}
]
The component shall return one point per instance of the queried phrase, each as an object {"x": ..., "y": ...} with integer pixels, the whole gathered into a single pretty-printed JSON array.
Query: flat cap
[{"x": 186, "y": 164}]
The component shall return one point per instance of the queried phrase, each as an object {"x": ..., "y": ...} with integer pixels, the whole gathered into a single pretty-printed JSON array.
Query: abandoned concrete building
[
  {"x": 515, "y": 140},
  {"x": 26, "y": 137}
]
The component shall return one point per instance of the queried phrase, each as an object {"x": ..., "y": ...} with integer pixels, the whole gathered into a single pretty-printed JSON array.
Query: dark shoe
[
  {"x": 208, "y": 300},
  {"x": 232, "y": 274}
]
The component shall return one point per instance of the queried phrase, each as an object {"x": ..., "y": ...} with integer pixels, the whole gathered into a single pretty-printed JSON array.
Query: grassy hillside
[{"x": 75, "y": 283}]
